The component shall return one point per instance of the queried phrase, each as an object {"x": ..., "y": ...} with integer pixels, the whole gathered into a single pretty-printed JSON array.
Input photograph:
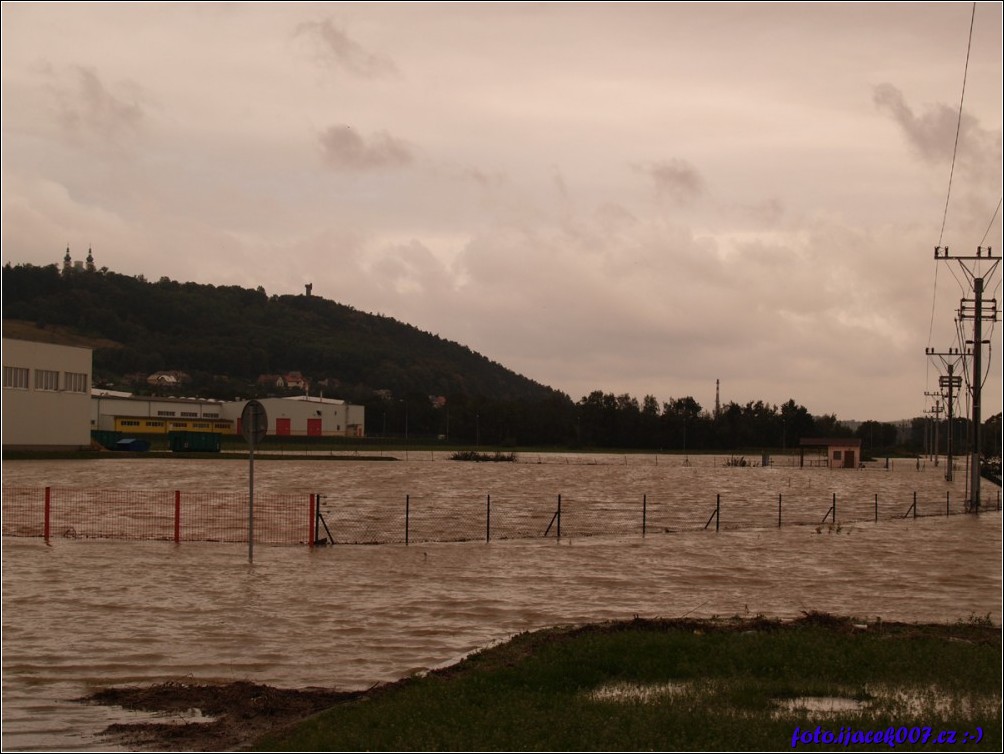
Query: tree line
[{"x": 414, "y": 385}]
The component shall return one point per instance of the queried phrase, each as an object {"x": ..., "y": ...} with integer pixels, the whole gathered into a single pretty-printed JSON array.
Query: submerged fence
[
  {"x": 312, "y": 519},
  {"x": 56, "y": 512}
]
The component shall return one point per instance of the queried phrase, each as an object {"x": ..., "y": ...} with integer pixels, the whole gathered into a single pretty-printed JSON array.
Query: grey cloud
[
  {"x": 340, "y": 50},
  {"x": 932, "y": 133},
  {"x": 346, "y": 149},
  {"x": 483, "y": 179},
  {"x": 675, "y": 179},
  {"x": 88, "y": 109}
]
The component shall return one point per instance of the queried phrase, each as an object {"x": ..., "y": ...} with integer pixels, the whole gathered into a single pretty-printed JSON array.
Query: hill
[{"x": 225, "y": 337}]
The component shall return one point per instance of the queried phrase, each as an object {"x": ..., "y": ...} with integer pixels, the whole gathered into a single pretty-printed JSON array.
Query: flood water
[{"x": 83, "y": 614}]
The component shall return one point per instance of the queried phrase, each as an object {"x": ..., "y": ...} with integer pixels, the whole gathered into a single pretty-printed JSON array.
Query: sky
[{"x": 633, "y": 198}]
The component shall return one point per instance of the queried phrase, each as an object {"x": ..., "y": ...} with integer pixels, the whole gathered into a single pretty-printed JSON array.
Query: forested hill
[{"x": 224, "y": 337}]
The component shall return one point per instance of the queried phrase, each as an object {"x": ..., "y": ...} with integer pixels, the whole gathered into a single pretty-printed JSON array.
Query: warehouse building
[
  {"x": 298, "y": 416},
  {"x": 46, "y": 396},
  {"x": 305, "y": 416},
  {"x": 113, "y": 411}
]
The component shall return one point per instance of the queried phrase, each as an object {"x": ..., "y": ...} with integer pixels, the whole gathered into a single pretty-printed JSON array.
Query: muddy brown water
[{"x": 84, "y": 614}]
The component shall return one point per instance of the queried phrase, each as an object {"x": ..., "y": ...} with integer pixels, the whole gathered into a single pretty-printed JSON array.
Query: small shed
[{"x": 835, "y": 452}]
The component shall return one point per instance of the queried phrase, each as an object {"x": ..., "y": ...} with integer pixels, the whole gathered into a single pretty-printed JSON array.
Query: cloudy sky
[{"x": 637, "y": 198}]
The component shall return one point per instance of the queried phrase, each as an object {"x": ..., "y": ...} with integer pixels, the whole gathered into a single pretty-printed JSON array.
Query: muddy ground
[{"x": 241, "y": 713}]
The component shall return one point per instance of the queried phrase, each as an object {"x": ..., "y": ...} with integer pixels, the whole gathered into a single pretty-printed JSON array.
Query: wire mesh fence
[
  {"x": 171, "y": 515},
  {"x": 448, "y": 516}
]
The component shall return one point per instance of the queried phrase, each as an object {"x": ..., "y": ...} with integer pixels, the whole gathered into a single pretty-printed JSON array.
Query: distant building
[
  {"x": 69, "y": 266},
  {"x": 295, "y": 380},
  {"x": 837, "y": 453},
  {"x": 168, "y": 379},
  {"x": 46, "y": 395},
  {"x": 305, "y": 416},
  {"x": 113, "y": 411},
  {"x": 287, "y": 381}
]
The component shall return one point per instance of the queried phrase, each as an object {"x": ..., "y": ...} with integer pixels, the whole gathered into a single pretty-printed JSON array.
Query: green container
[
  {"x": 194, "y": 442},
  {"x": 106, "y": 438}
]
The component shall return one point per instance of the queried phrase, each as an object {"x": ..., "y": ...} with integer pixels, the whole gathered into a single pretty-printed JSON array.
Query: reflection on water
[{"x": 83, "y": 614}]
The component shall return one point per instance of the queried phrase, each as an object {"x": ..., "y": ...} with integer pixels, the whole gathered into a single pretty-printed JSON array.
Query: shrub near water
[
  {"x": 473, "y": 455},
  {"x": 672, "y": 685}
]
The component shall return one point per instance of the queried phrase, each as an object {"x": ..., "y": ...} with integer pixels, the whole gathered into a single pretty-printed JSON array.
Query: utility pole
[
  {"x": 977, "y": 310},
  {"x": 936, "y": 410},
  {"x": 950, "y": 383}
]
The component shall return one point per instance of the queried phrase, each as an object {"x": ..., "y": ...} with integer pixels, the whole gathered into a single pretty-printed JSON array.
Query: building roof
[{"x": 314, "y": 399}]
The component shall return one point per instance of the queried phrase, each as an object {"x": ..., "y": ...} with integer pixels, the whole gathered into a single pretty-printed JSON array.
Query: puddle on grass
[
  {"x": 646, "y": 693},
  {"x": 912, "y": 701},
  {"x": 823, "y": 705},
  {"x": 931, "y": 700}
]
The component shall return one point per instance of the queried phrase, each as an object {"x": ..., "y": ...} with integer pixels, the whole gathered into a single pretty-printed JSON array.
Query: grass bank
[{"x": 686, "y": 685}]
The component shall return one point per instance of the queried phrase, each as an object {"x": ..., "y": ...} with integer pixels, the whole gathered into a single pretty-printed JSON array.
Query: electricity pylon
[
  {"x": 936, "y": 410},
  {"x": 950, "y": 384},
  {"x": 978, "y": 310}
]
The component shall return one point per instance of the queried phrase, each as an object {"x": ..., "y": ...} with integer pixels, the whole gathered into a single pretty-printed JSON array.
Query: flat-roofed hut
[{"x": 835, "y": 452}]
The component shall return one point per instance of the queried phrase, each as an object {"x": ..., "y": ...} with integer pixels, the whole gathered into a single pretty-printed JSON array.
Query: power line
[
  {"x": 958, "y": 125},
  {"x": 990, "y": 224}
]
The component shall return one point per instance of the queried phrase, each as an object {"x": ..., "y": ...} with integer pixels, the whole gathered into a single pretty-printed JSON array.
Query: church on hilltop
[{"x": 69, "y": 266}]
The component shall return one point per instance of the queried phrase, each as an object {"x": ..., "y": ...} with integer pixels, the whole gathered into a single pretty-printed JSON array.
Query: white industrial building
[
  {"x": 143, "y": 414},
  {"x": 297, "y": 416},
  {"x": 307, "y": 416},
  {"x": 46, "y": 396},
  {"x": 48, "y": 404}
]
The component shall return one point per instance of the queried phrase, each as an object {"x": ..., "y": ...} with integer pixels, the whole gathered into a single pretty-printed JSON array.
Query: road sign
[{"x": 254, "y": 422}]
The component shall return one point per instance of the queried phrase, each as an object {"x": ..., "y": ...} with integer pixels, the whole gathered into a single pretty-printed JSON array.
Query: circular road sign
[{"x": 254, "y": 422}]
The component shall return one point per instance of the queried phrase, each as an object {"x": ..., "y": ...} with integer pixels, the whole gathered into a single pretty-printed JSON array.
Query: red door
[
  {"x": 314, "y": 427},
  {"x": 282, "y": 427}
]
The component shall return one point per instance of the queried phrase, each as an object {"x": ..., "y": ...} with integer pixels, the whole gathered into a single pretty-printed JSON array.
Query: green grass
[{"x": 729, "y": 677}]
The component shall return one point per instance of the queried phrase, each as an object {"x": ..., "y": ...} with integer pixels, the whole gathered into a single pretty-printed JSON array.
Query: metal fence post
[
  {"x": 644, "y": 512},
  {"x": 47, "y": 515},
  {"x": 915, "y": 505},
  {"x": 488, "y": 519},
  {"x": 718, "y": 511},
  {"x": 834, "y": 507},
  {"x": 177, "y": 516},
  {"x": 559, "y": 516},
  {"x": 312, "y": 523},
  {"x": 407, "y": 517},
  {"x": 876, "y": 507},
  {"x": 779, "y": 510}
]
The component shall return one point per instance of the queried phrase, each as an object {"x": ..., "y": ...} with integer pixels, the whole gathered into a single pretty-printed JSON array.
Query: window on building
[
  {"x": 210, "y": 415},
  {"x": 46, "y": 379},
  {"x": 200, "y": 425},
  {"x": 838, "y": 455},
  {"x": 154, "y": 423},
  {"x": 190, "y": 414},
  {"x": 129, "y": 423},
  {"x": 165, "y": 413},
  {"x": 15, "y": 377},
  {"x": 74, "y": 382}
]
